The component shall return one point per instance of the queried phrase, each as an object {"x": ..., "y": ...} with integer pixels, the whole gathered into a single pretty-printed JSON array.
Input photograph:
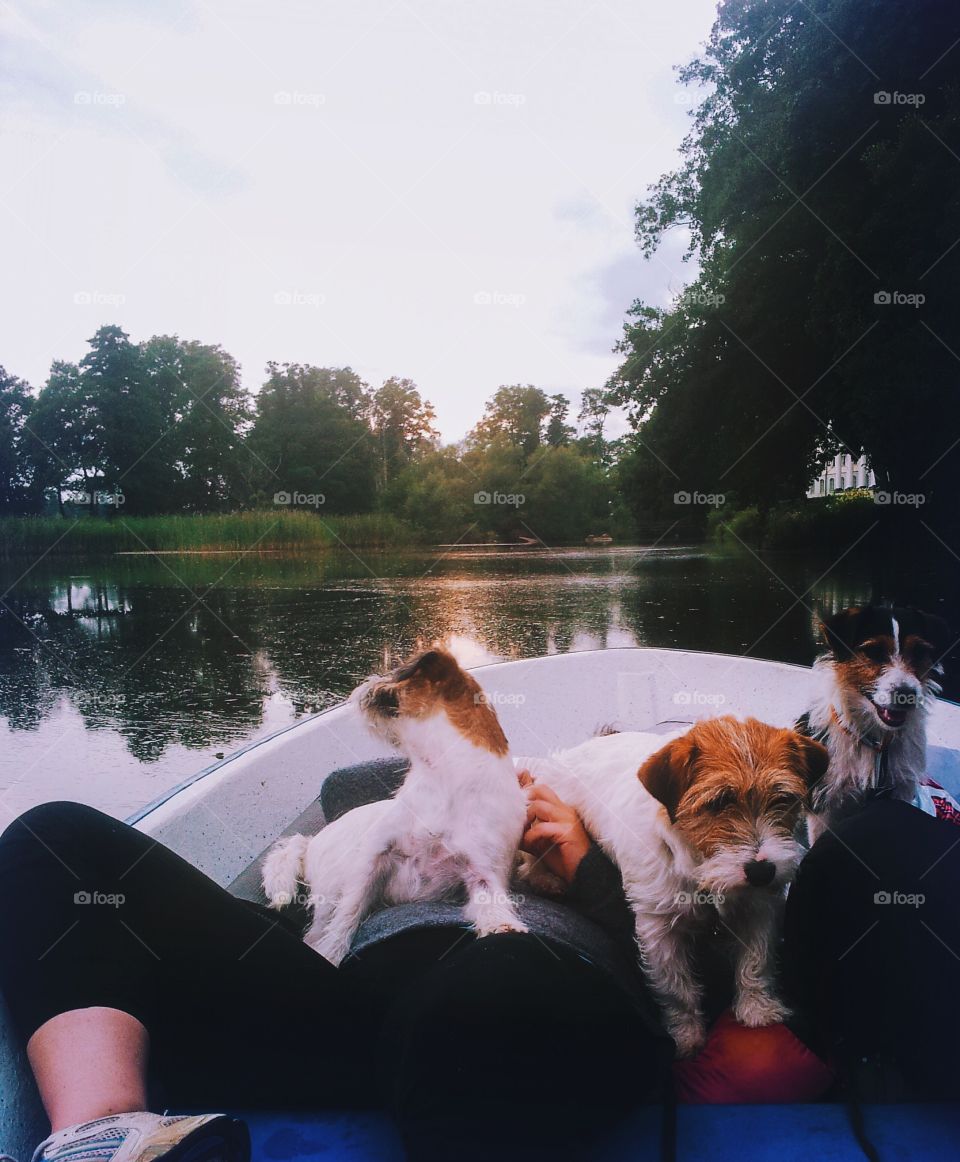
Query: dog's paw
[
  {"x": 756, "y": 1009},
  {"x": 689, "y": 1034},
  {"x": 333, "y": 949},
  {"x": 492, "y": 927}
]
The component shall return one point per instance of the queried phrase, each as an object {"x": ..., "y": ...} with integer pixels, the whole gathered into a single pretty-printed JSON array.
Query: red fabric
[{"x": 751, "y": 1066}]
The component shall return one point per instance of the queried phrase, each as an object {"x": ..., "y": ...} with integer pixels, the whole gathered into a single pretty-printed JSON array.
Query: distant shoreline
[{"x": 258, "y": 531}]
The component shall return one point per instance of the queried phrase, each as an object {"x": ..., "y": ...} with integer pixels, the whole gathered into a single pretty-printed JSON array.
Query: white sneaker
[{"x": 143, "y": 1137}]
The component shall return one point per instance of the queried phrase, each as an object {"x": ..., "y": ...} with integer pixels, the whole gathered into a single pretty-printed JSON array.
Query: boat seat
[{"x": 340, "y": 791}]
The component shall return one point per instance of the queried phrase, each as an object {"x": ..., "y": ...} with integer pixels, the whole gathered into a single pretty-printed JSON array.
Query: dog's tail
[{"x": 283, "y": 870}]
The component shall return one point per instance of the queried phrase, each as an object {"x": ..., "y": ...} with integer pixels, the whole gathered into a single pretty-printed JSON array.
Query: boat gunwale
[{"x": 154, "y": 804}]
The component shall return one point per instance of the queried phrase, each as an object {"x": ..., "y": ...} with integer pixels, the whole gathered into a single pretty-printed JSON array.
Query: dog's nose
[{"x": 760, "y": 872}]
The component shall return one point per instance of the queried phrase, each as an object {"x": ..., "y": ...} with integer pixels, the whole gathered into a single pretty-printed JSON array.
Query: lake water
[{"x": 120, "y": 676}]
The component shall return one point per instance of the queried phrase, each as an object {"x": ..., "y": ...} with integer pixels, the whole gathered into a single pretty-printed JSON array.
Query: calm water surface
[{"x": 123, "y": 675}]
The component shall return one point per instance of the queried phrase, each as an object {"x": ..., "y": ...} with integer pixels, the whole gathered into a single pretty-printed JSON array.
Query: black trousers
[
  {"x": 507, "y": 1045},
  {"x": 872, "y": 946}
]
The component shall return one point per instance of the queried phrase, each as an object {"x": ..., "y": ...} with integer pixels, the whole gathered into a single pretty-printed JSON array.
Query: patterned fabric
[{"x": 934, "y": 800}]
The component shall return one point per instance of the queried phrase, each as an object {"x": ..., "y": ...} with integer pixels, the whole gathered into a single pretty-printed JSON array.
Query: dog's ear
[
  {"x": 840, "y": 630},
  {"x": 669, "y": 773},
  {"x": 936, "y": 631},
  {"x": 435, "y": 665},
  {"x": 813, "y": 758}
]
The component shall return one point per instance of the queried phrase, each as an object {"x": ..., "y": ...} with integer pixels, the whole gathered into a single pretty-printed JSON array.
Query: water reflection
[{"x": 183, "y": 658}]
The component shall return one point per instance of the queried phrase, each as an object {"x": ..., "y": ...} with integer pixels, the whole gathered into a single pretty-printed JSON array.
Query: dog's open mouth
[{"x": 892, "y": 716}]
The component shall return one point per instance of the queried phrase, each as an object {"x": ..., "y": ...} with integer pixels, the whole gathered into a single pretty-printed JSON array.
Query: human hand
[{"x": 554, "y": 833}]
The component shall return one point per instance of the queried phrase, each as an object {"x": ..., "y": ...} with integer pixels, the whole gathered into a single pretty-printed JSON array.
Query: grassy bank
[
  {"x": 210, "y": 532},
  {"x": 830, "y": 522}
]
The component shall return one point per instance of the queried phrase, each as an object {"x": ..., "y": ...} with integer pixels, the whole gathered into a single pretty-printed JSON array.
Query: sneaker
[{"x": 143, "y": 1137}]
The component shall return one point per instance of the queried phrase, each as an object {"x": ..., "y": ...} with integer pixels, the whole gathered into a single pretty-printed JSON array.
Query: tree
[
  {"x": 558, "y": 431},
  {"x": 403, "y": 426},
  {"x": 67, "y": 446},
  {"x": 310, "y": 435},
  {"x": 515, "y": 414},
  {"x": 209, "y": 411},
  {"x": 594, "y": 409},
  {"x": 817, "y": 183},
  {"x": 16, "y": 476}
]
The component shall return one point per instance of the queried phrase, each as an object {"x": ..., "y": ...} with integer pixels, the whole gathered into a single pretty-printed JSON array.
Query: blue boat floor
[{"x": 790, "y": 1133}]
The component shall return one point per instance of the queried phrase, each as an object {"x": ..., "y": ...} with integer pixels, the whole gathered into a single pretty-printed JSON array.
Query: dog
[
  {"x": 874, "y": 687},
  {"x": 453, "y": 827},
  {"x": 703, "y": 831}
]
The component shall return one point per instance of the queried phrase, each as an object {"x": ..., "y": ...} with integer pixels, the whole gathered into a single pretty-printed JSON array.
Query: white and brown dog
[
  {"x": 453, "y": 828},
  {"x": 703, "y": 831},
  {"x": 874, "y": 687}
]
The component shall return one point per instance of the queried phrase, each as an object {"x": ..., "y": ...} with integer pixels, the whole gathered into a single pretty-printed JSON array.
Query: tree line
[
  {"x": 166, "y": 426},
  {"x": 818, "y": 186}
]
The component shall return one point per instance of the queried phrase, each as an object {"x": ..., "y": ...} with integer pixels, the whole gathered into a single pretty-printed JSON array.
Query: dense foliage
[
  {"x": 819, "y": 188},
  {"x": 165, "y": 427}
]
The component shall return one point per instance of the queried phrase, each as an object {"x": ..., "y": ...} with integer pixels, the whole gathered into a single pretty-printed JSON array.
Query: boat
[{"x": 223, "y": 818}]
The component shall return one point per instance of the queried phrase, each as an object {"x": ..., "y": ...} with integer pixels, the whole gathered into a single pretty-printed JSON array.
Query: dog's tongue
[{"x": 891, "y": 717}]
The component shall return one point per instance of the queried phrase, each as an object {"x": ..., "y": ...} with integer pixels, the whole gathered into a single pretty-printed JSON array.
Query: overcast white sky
[{"x": 438, "y": 189}]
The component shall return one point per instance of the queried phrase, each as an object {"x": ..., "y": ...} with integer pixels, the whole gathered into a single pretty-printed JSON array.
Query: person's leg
[
  {"x": 510, "y": 1047},
  {"x": 60, "y": 1053},
  {"x": 872, "y": 942},
  {"x": 105, "y": 930}
]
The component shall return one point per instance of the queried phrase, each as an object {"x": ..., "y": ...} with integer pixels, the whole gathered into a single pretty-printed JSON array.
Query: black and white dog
[{"x": 875, "y": 686}]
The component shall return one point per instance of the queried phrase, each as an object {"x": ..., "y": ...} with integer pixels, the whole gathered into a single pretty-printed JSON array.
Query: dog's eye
[
  {"x": 874, "y": 651},
  {"x": 719, "y": 802}
]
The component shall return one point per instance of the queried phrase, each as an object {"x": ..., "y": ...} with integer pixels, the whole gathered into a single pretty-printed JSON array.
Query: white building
[{"x": 843, "y": 472}]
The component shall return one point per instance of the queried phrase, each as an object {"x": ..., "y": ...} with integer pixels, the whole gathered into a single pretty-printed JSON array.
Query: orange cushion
[{"x": 751, "y": 1066}]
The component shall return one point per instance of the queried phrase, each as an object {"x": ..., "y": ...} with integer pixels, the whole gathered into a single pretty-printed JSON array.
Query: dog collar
[
  {"x": 879, "y": 749},
  {"x": 860, "y": 739}
]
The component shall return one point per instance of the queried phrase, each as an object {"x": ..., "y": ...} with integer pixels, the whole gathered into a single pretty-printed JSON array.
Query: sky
[{"x": 436, "y": 189}]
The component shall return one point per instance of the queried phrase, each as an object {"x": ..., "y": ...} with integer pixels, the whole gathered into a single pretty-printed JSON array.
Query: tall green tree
[
  {"x": 16, "y": 475},
  {"x": 311, "y": 435},
  {"x": 67, "y": 443},
  {"x": 517, "y": 414},
  {"x": 208, "y": 412},
  {"x": 819, "y": 187},
  {"x": 403, "y": 426},
  {"x": 558, "y": 432}
]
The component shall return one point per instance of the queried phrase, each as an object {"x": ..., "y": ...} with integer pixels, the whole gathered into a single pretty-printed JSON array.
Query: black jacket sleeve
[{"x": 597, "y": 893}]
